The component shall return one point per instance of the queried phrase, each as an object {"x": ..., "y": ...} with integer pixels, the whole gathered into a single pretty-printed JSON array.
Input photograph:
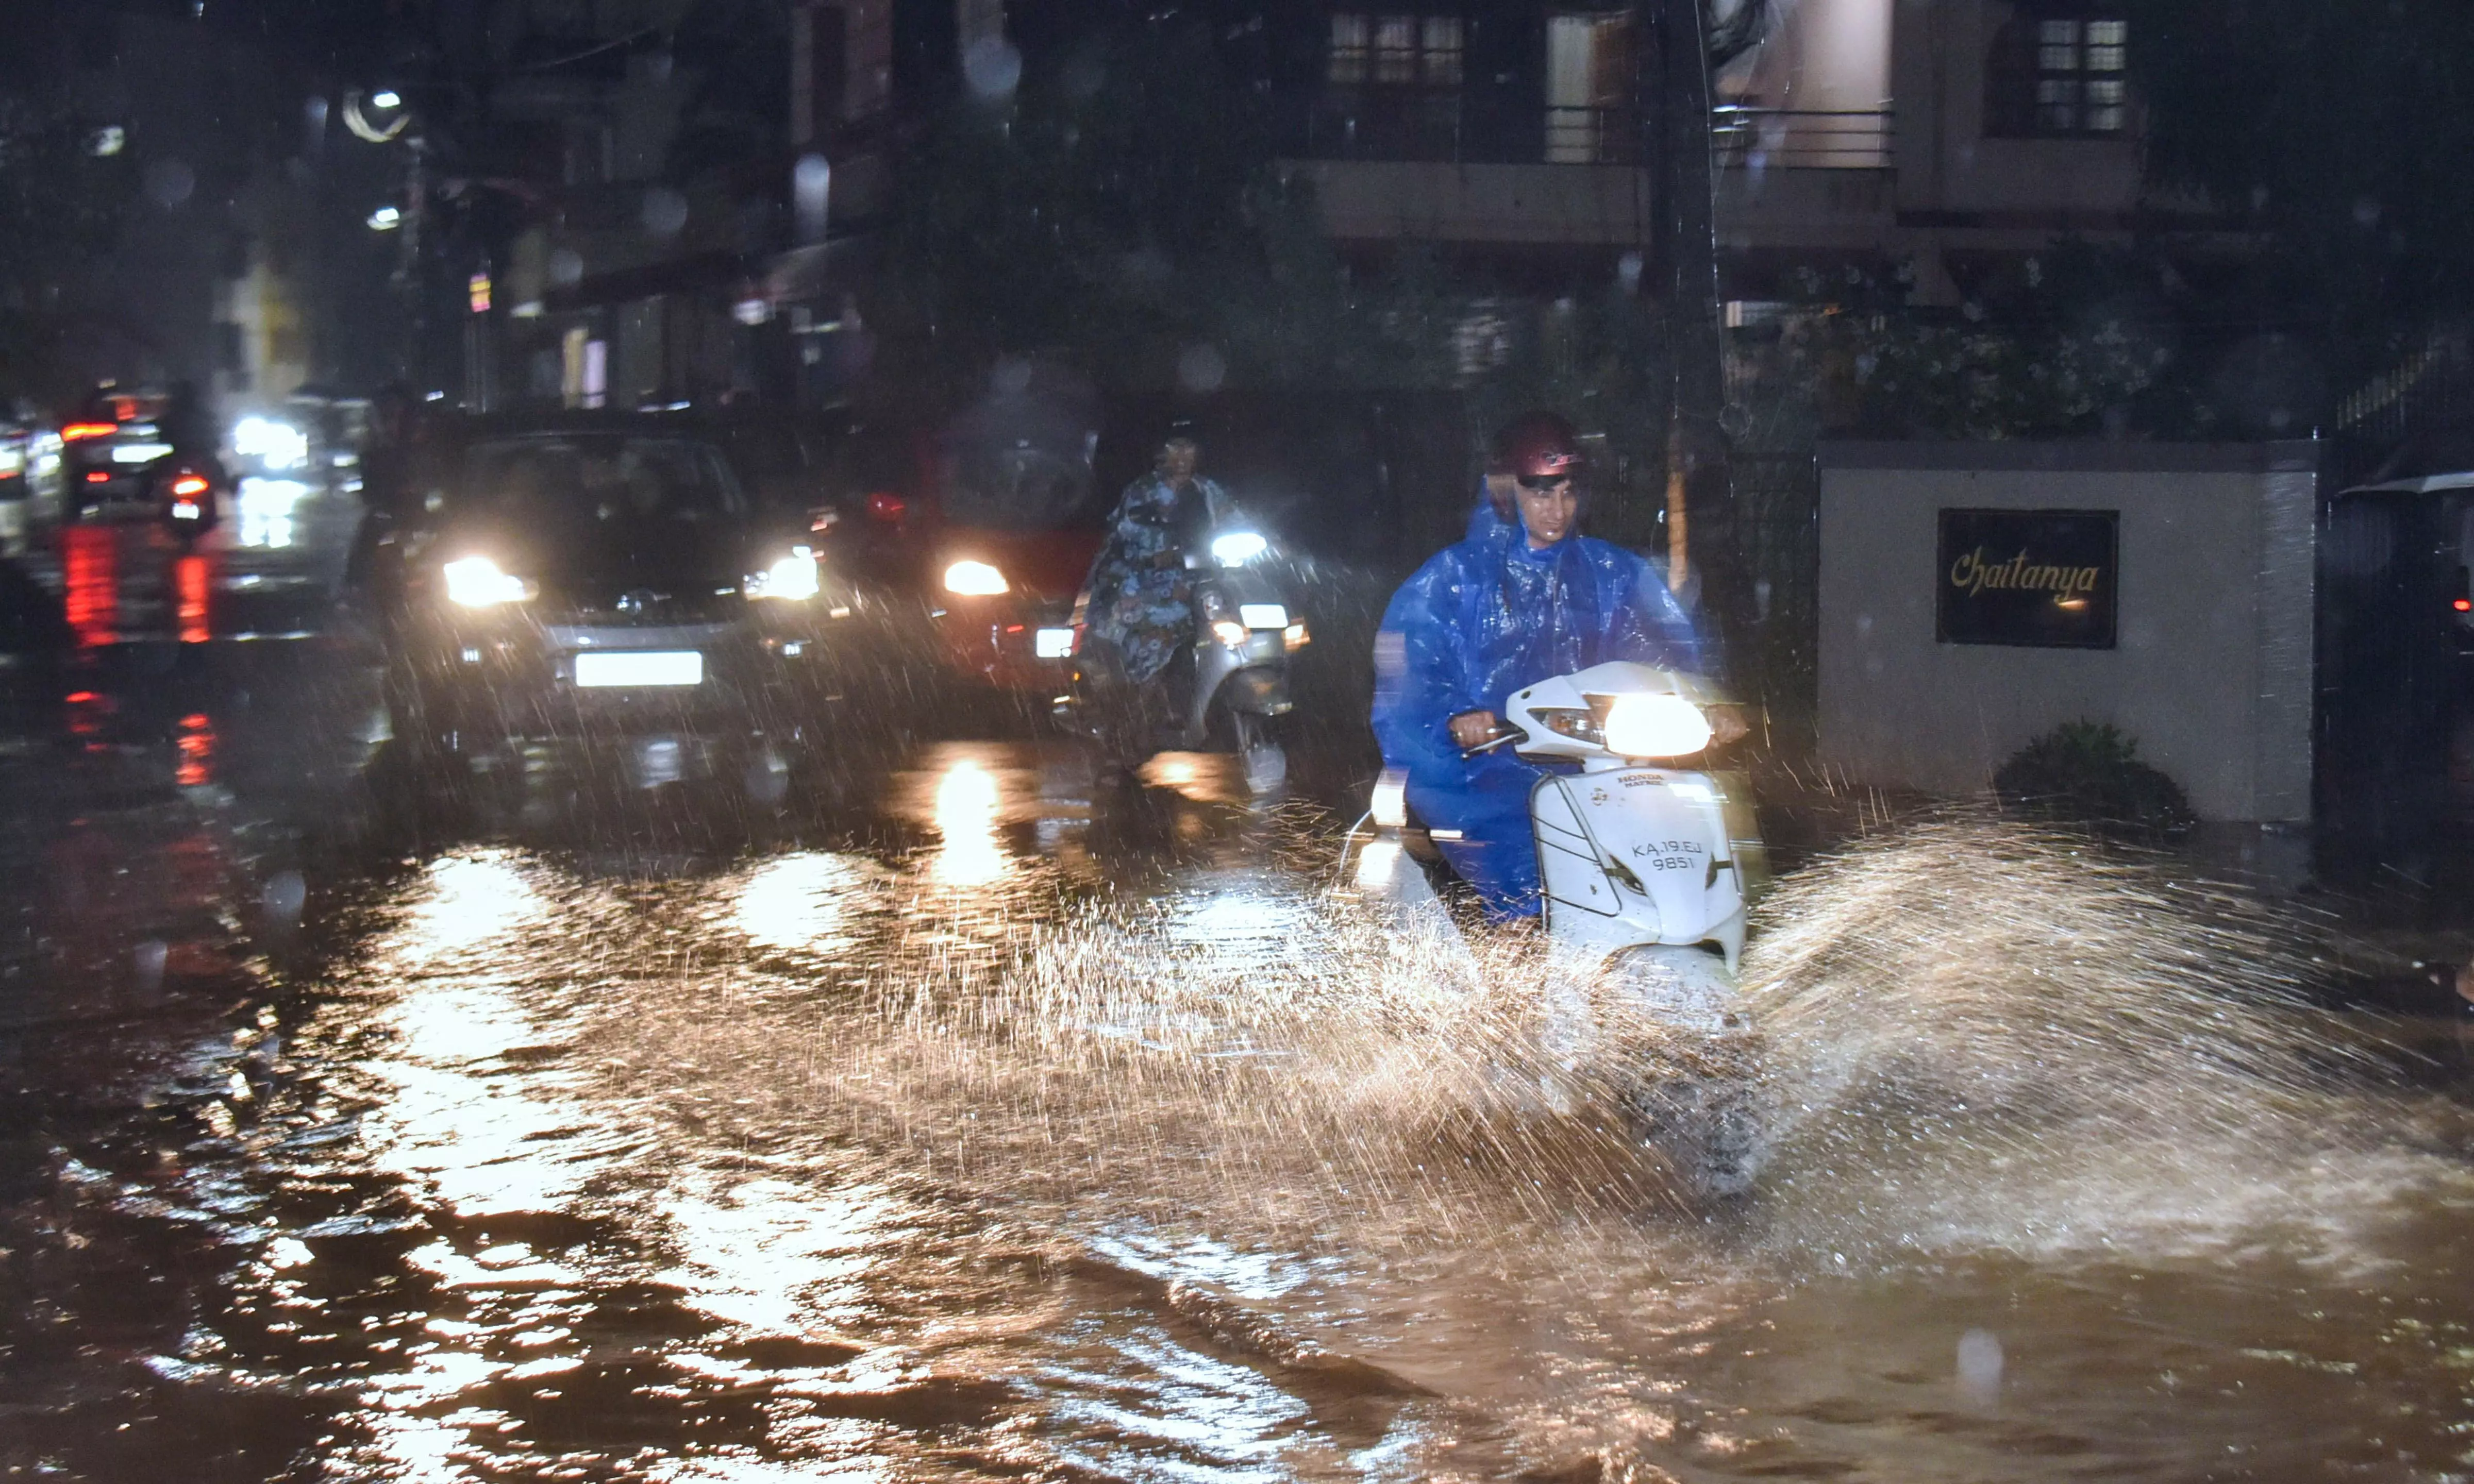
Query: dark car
[
  {"x": 987, "y": 522},
  {"x": 111, "y": 451},
  {"x": 605, "y": 584}
]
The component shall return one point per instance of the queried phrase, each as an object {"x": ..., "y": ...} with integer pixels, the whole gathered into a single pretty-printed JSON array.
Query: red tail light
[
  {"x": 77, "y": 431},
  {"x": 96, "y": 476},
  {"x": 887, "y": 507},
  {"x": 189, "y": 486},
  {"x": 2464, "y": 604}
]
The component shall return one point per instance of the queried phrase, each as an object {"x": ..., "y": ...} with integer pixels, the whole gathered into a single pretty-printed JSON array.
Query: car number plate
[{"x": 639, "y": 668}]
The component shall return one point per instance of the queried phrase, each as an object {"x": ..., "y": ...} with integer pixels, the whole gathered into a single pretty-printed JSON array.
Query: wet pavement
[{"x": 963, "y": 1119}]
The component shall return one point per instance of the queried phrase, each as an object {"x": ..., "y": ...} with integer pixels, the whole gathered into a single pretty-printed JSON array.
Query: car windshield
[
  {"x": 600, "y": 478},
  {"x": 1017, "y": 487}
]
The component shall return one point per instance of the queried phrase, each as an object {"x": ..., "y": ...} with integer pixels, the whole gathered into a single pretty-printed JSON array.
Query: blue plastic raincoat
[
  {"x": 1484, "y": 525},
  {"x": 1479, "y": 621},
  {"x": 1146, "y": 610}
]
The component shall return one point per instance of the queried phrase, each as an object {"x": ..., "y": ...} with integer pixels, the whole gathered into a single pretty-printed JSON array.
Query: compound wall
[{"x": 2209, "y": 664}]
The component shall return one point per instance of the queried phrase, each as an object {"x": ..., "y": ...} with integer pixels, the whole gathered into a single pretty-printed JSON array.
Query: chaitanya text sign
[{"x": 2040, "y": 578}]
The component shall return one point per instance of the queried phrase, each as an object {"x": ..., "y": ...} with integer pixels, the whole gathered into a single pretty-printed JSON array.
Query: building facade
[{"x": 1907, "y": 136}]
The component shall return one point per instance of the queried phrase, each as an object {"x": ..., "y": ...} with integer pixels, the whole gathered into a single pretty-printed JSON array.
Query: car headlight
[
  {"x": 1230, "y": 631},
  {"x": 975, "y": 580},
  {"x": 793, "y": 577},
  {"x": 1236, "y": 549},
  {"x": 475, "y": 582},
  {"x": 280, "y": 445},
  {"x": 1656, "y": 727}
]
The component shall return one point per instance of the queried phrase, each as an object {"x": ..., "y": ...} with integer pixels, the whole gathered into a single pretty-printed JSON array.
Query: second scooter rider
[{"x": 1490, "y": 615}]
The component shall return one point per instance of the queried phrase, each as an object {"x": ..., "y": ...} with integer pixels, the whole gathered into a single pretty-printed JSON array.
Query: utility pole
[
  {"x": 408, "y": 274},
  {"x": 1672, "y": 83}
]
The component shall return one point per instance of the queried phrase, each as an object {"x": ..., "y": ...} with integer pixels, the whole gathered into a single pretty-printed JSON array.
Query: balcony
[
  {"x": 1440, "y": 128},
  {"x": 1746, "y": 138},
  {"x": 1430, "y": 167}
]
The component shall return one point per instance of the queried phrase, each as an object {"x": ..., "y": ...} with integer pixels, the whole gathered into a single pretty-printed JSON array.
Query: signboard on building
[{"x": 2044, "y": 579}]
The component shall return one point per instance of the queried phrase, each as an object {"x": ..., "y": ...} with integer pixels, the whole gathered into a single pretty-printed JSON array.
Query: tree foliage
[
  {"x": 2075, "y": 341},
  {"x": 1127, "y": 208},
  {"x": 1087, "y": 216},
  {"x": 60, "y": 209},
  {"x": 2339, "y": 132}
]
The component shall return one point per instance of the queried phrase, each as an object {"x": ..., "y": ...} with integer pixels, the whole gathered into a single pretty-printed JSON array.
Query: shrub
[{"x": 2089, "y": 773}]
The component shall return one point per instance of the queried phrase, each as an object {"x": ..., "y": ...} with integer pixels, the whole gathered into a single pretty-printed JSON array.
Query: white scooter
[
  {"x": 1648, "y": 860},
  {"x": 1640, "y": 859}
]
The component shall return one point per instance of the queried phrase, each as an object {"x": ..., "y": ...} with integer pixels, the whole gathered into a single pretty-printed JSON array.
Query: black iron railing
[
  {"x": 1745, "y": 138},
  {"x": 1415, "y": 126}
]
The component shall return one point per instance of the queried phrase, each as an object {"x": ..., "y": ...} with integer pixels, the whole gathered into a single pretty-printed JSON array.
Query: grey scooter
[{"x": 1244, "y": 633}]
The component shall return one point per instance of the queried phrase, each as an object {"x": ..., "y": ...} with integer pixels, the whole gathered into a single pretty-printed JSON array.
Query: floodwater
[{"x": 984, "y": 1124}]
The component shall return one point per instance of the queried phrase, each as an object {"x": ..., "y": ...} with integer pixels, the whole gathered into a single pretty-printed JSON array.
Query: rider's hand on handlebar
[
  {"x": 1475, "y": 728},
  {"x": 1727, "y": 725}
]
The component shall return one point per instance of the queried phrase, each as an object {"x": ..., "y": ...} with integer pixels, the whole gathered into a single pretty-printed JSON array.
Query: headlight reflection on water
[
  {"x": 266, "y": 509},
  {"x": 967, "y": 816},
  {"x": 797, "y": 901},
  {"x": 488, "y": 1115},
  {"x": 473, "y": 899}
]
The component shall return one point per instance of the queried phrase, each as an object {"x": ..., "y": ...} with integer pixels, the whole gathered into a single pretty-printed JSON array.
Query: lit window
[
  {"x": 1350, "y": 36},
  {"x": 2059, "y": 76},
  {"x": 1395, "y": 49},
  {"x": 1439, "y": 63},
  {"x": 2057, "y": 46}
]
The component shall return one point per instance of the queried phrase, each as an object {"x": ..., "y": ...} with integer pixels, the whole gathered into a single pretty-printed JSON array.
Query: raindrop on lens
[
  {"x": 282, "y": 897},
  {"x": 811, "y": 185},
  {"x": 992, "y": 67},
  {"x": 169, "y": 182},
  {"x": 1980, "y": 1365},
  {"x": 147, "y": 963},
  {"x": 1202, "y": 368},
  {"x": 665, "y": 211}
]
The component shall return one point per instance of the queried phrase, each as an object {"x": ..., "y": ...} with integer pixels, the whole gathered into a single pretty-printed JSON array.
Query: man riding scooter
[
  {"x": 1498, "y": 613},
  {"x": 1140, "y": 593}
]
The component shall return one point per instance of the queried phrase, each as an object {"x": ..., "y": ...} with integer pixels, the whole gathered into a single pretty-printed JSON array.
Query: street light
[{"x": 392, "y": 119}]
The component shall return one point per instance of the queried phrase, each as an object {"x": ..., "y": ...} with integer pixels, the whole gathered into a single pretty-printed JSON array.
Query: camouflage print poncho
[{"x": 1144, "y": 609}]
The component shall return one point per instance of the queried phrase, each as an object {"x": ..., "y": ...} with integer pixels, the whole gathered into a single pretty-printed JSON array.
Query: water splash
[{"x": 1978, "y": 1036}]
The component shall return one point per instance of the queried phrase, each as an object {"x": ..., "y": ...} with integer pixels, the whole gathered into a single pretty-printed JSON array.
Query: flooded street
[
  {"x": 1225, "y": 743},
  {"x": 970, "y": 1118},
  {"x": 985, "y": 1125}
]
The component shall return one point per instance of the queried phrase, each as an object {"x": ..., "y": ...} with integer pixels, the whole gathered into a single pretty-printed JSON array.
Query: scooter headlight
[
  {"x": 1656, "y": 727},
  {"x": 1236, "y": 549},
  {"x": 793, "y": 577},
  {"x": 475, "y": 582},
  {"x": 975, "y": 580}
]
